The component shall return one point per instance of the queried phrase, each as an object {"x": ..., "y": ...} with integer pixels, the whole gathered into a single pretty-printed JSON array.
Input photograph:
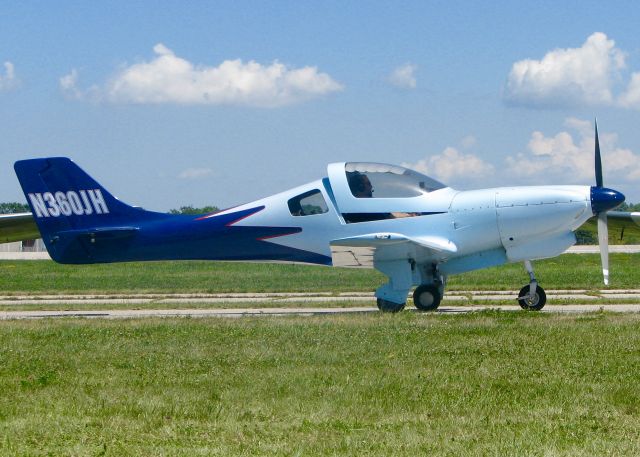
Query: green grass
[
  {"x": 410, "y": 384},
  {"x": 183, "y": 276},
  {"x": 568, "y": 271},
  {"x": 564, "y": 272}
]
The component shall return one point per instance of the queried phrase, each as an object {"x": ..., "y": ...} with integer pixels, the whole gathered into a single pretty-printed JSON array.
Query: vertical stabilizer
[{"x": 71, "y": 209}]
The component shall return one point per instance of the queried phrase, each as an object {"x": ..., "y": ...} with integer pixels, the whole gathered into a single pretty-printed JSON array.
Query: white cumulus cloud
[
  {"x": 168, "y": 78},
  {"x": 195, "y": 173},
  {"x": 631, "y": 97},
  {"x": 404, "y": 76},
  {"x": 568, "y": 77},
  {"x": 453, "y": 166},
  {"x": 8, "y": 80},
  {"x": 68, "y": 84},
  {"x": 568, "y": 157}
]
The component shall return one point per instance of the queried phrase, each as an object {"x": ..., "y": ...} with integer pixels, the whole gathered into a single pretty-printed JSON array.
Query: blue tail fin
[{"x": 71, "y": 209}]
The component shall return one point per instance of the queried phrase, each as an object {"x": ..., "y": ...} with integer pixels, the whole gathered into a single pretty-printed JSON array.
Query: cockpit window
[
  {"x": 309, "y": 203},
  {"x": 374, "y": 180}
]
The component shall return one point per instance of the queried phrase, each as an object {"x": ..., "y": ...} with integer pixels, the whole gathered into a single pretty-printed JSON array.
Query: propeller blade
[
  {"x": 603, "y": 240},
  {"x": 598, "y": 160}
]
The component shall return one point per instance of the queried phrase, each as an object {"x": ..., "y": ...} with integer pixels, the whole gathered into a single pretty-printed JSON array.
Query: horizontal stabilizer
[{"x": 17, "y": 227}]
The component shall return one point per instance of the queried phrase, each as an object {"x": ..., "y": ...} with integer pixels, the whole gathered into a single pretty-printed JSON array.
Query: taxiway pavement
[
  {"x": 275, "y": 298},
  {"x": 274, "y": 304}
]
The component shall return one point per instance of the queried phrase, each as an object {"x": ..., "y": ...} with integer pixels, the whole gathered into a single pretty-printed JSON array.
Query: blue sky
[{"x": 175, "y": 103}]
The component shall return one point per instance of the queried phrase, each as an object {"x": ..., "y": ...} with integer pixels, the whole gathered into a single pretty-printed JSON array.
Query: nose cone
[{"x": 603, "y": 199}]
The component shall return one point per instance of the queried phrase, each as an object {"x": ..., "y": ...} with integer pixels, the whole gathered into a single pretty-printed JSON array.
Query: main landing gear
[
  {"x": 427, "y": 297},
  {"x": 387, "y": 306},
  {"x": 532, "y": 297},
  {"x": 402, "y": 275}
]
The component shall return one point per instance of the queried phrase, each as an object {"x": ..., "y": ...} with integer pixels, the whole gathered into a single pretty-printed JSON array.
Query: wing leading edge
[{"x": 362, "y": 250}]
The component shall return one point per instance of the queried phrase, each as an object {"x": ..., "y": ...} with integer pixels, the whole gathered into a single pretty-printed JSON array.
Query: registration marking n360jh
[{"x": 82, "y": 202}]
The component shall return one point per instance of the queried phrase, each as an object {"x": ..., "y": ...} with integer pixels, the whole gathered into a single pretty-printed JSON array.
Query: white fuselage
[{"x": 488, "y": 226}]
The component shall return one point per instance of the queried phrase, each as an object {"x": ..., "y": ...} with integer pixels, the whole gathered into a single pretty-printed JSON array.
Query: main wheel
[
  {"x": 427, "y": 297},
  {"x": 533, "y": 304},
  {"x": 387, "y": 306}
]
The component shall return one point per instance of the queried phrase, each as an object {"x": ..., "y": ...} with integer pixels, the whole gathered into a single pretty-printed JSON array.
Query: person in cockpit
[{"x": 360, "y": 185}]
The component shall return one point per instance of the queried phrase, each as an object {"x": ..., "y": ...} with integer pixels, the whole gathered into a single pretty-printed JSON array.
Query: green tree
[
  {"x": 628, "y": 207},
  {"x": 14, "y": 207},
  {"x": 586, "y": 237},
  {"x": 191, "y": 210}
]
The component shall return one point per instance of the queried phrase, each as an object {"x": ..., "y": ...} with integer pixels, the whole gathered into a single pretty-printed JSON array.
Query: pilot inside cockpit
[
  {"x": 359, "y": 184},
  {"x": 361, "y": 187}
]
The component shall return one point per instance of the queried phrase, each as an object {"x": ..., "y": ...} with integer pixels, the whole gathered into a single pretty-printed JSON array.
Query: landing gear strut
[
  {"x": 532, "y": 297},
  {"x": 391, "y": 297}
]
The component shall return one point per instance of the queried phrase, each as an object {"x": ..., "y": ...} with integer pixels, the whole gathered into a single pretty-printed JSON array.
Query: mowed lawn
[
  {"x": 410, "y": 384},
  {"x": 569, "y": 271}
]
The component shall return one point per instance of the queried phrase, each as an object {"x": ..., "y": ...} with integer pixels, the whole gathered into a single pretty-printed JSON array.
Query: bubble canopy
[
  {"x": 377, "y": 187},
  {"x": 387, "y": 181}
]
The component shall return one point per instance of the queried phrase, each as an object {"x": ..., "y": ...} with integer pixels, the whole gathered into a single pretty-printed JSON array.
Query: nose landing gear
[{"x": 531, "y": 297}]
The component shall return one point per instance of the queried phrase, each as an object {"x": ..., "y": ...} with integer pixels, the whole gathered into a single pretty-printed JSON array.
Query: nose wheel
[
  {"x": 532, "y": 297},
  {"x": 532, "y": 302}
]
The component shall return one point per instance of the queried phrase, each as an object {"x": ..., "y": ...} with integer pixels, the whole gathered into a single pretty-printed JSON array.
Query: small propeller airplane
[{"x": 412, "y": 228}]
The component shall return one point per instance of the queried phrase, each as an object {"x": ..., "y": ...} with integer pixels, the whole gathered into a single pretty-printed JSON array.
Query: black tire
[
  {"x": 387, "y": 306},
  {"x": 532, "y": 304},
  {"x": 427, "y": 297}
]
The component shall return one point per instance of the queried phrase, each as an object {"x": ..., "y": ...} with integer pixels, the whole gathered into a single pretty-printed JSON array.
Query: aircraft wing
[
  {"x": 623, "y": 227},
  {"x": 362, "y": 250},
  {"x": 18, "y": 227}
]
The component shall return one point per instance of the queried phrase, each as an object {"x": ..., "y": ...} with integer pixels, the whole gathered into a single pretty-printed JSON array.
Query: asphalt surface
[{"x": 274, "y": 304}]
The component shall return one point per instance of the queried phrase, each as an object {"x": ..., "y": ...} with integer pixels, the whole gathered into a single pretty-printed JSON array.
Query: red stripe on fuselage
[
  {"x": 229, "y": 224},
  {"x": 215, "y": 213},
  {"x": 262, "y": 238}
]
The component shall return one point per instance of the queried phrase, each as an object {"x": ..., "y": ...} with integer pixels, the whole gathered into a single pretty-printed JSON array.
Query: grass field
[
  {"x": 412, "y": 384},
  {"x": 568, "y": 271}
]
